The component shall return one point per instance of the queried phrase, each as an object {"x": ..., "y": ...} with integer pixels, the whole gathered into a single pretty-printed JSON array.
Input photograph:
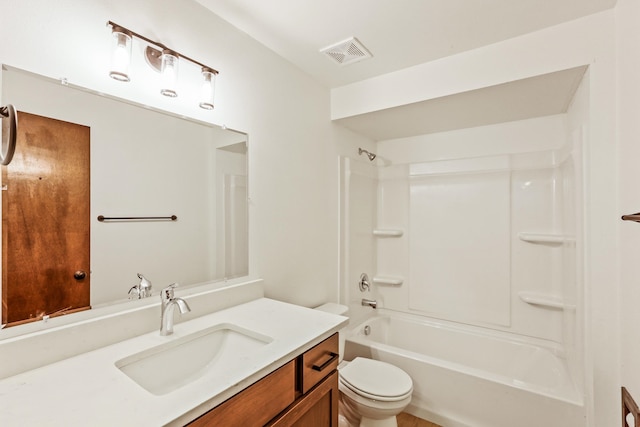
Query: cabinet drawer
[
  {"x": 257, "y": 404},
  {"x": 319, "y": 362}
]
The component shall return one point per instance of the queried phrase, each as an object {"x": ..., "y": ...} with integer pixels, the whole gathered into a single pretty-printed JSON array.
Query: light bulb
[
  {"x": 208, "y": 89},
  {"x": 120, "y": 54},
  {"x": 169, "y": 71}
]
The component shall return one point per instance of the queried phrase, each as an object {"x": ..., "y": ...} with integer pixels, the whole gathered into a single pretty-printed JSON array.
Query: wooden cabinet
[
  {"x": 257, "y": 404},
  {"x": 317, "y": 362},
  {"x": 317, "y": 408},
  {"x": 301, "y": 393}
]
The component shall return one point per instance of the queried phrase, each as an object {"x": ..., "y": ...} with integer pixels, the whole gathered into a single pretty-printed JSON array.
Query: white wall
[
  {"x": 628, "y": 45},
  {"x": 293, "y": 164},
  {"x": 587, "y": 41}
]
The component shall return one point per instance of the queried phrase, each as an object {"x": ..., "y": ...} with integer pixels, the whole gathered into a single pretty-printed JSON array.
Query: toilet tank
[{"x": 342, "y": 310}]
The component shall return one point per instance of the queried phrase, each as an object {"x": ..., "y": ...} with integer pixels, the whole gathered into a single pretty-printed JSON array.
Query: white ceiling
[
  {"x": 399, "y": 33},
  {"x": 403, "y": 33}
]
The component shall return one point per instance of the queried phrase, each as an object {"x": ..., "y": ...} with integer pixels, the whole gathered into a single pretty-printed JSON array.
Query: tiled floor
[{"x": 406, "y": 420}]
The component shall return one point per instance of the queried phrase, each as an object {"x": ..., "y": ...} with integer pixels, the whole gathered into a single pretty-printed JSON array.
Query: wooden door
[{"x": 45, "y": 221}]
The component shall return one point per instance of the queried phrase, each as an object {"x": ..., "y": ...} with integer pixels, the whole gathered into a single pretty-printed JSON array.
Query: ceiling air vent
[{"x": 347, "y": 52}]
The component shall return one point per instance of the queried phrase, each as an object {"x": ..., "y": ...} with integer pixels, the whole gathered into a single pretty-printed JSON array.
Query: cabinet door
[
  {"x": 318, "y": 408},
  {"x": 257, "y": 404}
]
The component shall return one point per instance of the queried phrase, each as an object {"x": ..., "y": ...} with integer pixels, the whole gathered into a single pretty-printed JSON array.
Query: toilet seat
[
  {"x": 372, "y": 397},
  {"x": 376, "y": 380}
]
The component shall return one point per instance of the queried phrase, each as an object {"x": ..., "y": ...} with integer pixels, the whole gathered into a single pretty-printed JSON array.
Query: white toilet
[{"x": 372, "y": 392}]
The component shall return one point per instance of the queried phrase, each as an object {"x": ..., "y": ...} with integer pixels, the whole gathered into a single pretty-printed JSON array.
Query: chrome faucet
[
  {"x": 370, "y": 302},
  {"x": 168, "y": 304},
  {"x": 142, "y": 289}
]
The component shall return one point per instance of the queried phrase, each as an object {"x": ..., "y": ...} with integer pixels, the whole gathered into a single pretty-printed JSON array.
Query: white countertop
[{"x": 89, "y": 389}]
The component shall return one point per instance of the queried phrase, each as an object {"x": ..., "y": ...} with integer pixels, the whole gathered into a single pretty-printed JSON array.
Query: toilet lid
[{"x": 376, "y": 378}]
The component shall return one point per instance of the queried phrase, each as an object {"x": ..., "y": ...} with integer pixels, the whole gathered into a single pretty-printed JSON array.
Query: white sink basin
[{"x": 169, "y": 366}]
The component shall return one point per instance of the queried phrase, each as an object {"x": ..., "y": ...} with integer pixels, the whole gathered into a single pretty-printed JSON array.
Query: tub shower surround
[{"x": 475, "y": 264}]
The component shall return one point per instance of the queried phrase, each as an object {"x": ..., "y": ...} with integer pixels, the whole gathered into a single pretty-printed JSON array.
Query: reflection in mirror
[{"x": 142, "y": 163}]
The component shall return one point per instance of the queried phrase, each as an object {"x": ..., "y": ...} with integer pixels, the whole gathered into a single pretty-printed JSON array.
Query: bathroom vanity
[
  {"x": 303, "y": 392},
  {"x": 272, "y": 363}
]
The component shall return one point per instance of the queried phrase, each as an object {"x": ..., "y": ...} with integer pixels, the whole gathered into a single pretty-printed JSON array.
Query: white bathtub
[{"x": 471, "y": 377}]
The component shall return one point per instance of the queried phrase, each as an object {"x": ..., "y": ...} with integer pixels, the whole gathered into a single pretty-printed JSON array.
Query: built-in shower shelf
[
  {"x": 388, "y": 233},
  {"x": 388, "y": 280},
  {"x": 544, "y": 300},
  {"x": 545, "y": 238}
]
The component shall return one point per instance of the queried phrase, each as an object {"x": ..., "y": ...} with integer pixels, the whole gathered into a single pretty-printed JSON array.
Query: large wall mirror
[{"x": 176, "y": 188}]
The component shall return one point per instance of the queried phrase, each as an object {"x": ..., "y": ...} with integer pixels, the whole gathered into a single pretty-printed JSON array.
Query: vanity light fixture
[
  {"x": 169, "y": 71},
  {"x": 120, "y": 54},
  {"x": 163, "y": 60},
  {"x": 208, "y": 88}
]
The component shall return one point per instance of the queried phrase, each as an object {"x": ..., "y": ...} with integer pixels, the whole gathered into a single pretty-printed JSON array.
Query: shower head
[{"x": 370, "y": 155}]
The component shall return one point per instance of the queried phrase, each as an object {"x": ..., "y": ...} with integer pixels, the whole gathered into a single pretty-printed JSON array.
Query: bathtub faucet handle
[
  {"x": 370, "y": 302},
  {"x": 363, "y": 284}
]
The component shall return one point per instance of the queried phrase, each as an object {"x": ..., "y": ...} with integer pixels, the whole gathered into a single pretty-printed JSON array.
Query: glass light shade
[
  {"x": 208, "y": 89},
  {"x": 169, "y": 72},
  {"x": 120, "y": 55}
]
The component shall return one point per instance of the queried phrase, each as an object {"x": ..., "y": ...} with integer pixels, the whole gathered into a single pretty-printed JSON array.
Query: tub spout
[{"x": 370, "y": 302}]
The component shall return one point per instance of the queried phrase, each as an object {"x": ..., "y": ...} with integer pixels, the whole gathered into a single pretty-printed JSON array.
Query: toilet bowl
[{"x": 372, "y": 392}]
